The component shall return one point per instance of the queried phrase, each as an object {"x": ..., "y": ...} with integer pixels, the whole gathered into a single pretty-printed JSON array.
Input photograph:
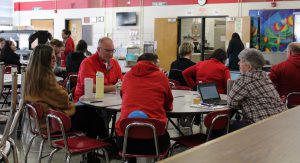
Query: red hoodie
[
  {"x": 286, "y": 76},
  {"x": 69, "y": 48},
  {"x": 207, "y": 71},
  {"x": 147, "y": 89}
]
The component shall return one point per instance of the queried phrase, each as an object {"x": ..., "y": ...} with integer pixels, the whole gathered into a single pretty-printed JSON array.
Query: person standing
[
  {"x": 234, "y": 48},
  {"x": 69, "y": 44}
]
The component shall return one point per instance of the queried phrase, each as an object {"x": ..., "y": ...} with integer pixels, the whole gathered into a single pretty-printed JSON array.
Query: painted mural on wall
[{"x": 276, "y": 29}]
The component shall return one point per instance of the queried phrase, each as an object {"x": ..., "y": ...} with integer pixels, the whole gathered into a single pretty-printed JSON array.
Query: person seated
[
  {"x": 42, "y": 87},
  {"x": 182, "y": 63},
  {"x": 100, "y": 61},
  {"x": 211, "y": 70},
  {"x": 285, "y": 75},
  {"x": 9, "y": 56},
  {"x": 74, "y": 59},
  {"x": 147, "y": 89},
  {"x": 2, "y": 43},
  {"x": 253, "y": 92},
  {"x": 58, "y": 47}
]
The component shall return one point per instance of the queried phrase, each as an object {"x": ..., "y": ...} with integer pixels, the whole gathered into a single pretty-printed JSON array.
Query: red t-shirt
[
  {"x": 207, "y": 71},
  {"x": 145, "y": 88},
  {"x": 88, "y": 69}
]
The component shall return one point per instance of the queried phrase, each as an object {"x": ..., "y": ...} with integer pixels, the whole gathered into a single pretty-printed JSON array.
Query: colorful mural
[{"x": 275, "y": 29}]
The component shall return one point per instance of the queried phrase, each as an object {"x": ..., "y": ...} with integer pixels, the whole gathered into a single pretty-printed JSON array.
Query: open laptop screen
[
  {"x": 208, "y": 91},
  {"x": 234, "y": 75}
]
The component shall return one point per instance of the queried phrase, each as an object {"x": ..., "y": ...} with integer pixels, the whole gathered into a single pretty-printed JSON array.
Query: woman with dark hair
[
  {"x": 147, "y": 89},
  {"x": 9, "y": 56},
  {"x": 74, "y": 59},
  {"x": 234, "y": 48},
  {"x": 211, "y": 70},
  {"x": 69, "y": 44},
  {"x": 2, "y": 43}
]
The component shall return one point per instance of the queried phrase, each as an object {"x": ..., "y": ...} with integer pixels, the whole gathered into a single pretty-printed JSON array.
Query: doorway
[{"x": 75, "y": 26}]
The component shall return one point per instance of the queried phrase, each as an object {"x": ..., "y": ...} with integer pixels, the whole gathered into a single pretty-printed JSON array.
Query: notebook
[{"x": 209, "y": 94}]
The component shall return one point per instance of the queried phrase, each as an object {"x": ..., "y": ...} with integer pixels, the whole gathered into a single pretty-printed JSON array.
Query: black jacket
[
  {"x": 234, "y": 48},
  {"x": 177, "y": 67},
  {"x": 73, "y": 62}
]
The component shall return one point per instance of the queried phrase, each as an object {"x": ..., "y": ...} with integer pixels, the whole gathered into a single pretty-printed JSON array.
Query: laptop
[
  {"x": 234, "y": 75},
  {"x": 209, "y": 94}
]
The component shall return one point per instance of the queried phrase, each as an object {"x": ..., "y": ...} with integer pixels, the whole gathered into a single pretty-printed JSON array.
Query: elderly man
[
  {"x": 286, "y": 75},
  {"x": 100, "y": 61},
  {"x": 253, "y": 92}
]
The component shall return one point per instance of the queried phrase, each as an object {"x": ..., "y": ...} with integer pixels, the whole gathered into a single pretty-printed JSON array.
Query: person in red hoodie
[
  {"x": 286, "y": 75},
  {"x": 211, "y": 70},
  {"x": 69, "y": 44},
  {"x": 147, "y": 89}
]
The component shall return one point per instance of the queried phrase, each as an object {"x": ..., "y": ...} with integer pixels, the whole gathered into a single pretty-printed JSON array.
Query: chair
[
  {"x": 7, "y": 88},
  {"x": 141, "y": 128},
  {"x": 11, "y": 123},
  {"x": 292, "y": 99},
  {"x": 176, "y": 74},
  {"x": 213, "y": 121},
  {"x": 74, "y": 144},
  {"x": 71, "y": 82}
]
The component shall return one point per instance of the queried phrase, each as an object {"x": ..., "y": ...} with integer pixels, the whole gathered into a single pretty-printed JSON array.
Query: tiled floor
[{"x": 59, "y": 157}]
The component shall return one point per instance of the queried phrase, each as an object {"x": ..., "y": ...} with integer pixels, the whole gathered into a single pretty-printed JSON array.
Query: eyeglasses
[{"x": 108, "y": 50}]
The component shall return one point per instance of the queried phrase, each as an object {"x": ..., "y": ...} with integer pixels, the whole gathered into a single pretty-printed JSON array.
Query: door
[
  {"x": 75, "y": 26},
  {"x": 166, "y": 36}
]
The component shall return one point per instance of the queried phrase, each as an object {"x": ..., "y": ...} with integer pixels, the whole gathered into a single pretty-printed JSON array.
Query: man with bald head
[
  {"x": 286, "y": 75},
  {"x": 102, "y": 61}
]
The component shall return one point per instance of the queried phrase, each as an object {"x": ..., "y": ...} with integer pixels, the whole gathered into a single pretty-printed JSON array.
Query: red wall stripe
[{"x": 77, "y": 4}]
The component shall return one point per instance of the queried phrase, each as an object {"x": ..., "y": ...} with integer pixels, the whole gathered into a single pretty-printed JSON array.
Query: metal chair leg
[
  {"x": 29, "y": 146},
  {"x": 68, "y": 158},
  {"x": 15, "y": 150},
  {"x": 4, "y": 157},
  {"x": 52, "y": 154},
  {"x": 106, "y": 155},
  {"x": 41, "y": 151}
]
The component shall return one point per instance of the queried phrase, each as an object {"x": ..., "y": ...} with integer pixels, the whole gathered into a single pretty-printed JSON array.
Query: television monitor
[{"x": 126, "y": 19}]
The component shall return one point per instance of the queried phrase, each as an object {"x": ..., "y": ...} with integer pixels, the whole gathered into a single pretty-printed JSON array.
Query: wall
[{"x": 146, "y": 16}]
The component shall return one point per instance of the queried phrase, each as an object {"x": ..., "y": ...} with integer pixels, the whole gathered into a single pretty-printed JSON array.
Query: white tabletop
[
  {"x": 181, "y": 106},
  {"x": 8, "y": 79},
  {"x": 110, "y": 99}
]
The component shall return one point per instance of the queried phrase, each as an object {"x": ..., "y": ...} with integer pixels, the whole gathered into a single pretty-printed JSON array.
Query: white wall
[{"x": 146, "y": 15}]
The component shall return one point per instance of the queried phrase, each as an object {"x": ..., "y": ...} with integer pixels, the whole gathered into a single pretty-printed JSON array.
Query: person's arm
[
  {"x": 189, "y": 75},
  {"x": 237, "y": 93},
  {"x": 107, "y": 88},
  {"x": 57, "y": 97},
  {"x": 274, "y": 75},
  {"x": 226, "y": 77},
  {"x": 168, "y": 103}
]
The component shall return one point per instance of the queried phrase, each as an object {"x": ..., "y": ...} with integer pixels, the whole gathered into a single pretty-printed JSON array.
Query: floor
[{"x": 59, "y": 157}]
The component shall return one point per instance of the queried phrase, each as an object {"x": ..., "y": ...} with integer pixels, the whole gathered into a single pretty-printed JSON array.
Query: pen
[{"x": 96, "y": 101}]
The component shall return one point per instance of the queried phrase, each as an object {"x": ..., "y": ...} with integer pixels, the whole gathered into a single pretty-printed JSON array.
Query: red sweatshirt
[
  {"x": 286, "y": 76},
  {"x": 147, "y": 89},
  {"x": 207, "y": 71},
  {"x": 88, "y": 69}
]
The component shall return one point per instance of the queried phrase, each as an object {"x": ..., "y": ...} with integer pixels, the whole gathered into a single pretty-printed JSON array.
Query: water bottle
[{"x": 99, "y": 85}]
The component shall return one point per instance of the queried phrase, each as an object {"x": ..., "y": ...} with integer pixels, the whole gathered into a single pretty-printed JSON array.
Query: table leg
[
  {"x": 113, "y": 117},
  {"x": 176, "y": 127}
]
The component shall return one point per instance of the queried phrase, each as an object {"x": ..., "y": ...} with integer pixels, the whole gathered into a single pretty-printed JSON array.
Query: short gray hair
[{"x": 253, "y": 57}]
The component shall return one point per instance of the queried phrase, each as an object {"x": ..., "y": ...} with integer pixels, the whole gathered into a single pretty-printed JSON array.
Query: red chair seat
[
  {"x": 191, "y": 140},
  {"x": 59, "y": 135},
  {"x": 81, "y": 144}
]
